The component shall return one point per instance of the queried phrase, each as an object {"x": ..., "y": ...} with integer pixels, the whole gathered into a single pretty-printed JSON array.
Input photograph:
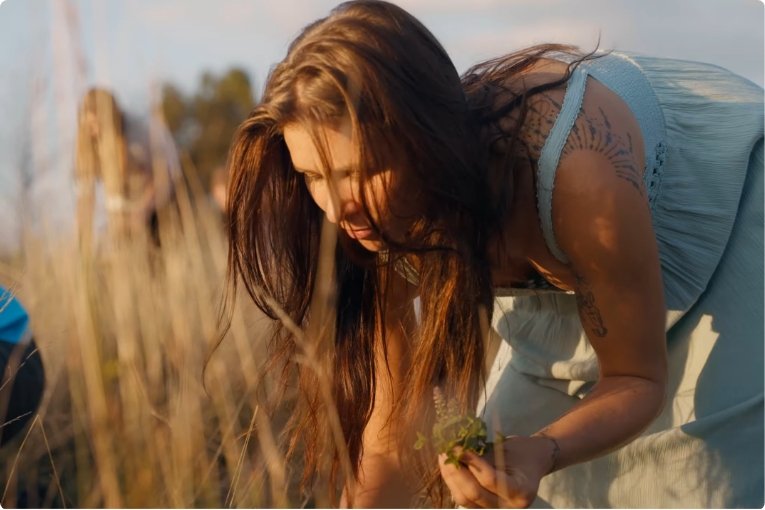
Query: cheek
[
  {"x": 318, "y": 193},
  {"x": 392, "y": 198},
  {"x": 378, "y": 195},
  {"x": 337, "y": 194},
  {"x": 396, "y": 205}
]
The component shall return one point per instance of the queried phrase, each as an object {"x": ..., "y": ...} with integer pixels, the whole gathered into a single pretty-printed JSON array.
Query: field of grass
[{"x": 124, "y": 331}]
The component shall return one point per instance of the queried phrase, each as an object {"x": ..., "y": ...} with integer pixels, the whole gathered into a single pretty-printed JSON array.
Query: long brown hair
[{"x": 373, "y": 63}]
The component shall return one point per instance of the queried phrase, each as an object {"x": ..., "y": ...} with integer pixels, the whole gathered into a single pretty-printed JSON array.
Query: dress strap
[{"x": 551, "y": 152}]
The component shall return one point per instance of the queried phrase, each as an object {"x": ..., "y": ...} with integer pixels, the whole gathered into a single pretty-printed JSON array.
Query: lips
[{"x": 359, "y": 233}]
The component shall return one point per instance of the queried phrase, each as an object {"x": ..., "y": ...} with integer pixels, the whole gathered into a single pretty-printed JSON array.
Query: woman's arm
[
  {"x": 382, "y": 484},
  {"x": 602, "y": 223}
]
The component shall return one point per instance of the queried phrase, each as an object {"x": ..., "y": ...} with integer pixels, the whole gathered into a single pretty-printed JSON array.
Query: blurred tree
[{"x": 203, "y": 124}]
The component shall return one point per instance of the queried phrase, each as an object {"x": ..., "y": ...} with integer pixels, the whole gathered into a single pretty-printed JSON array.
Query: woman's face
[{"x": 338, "y": 193}]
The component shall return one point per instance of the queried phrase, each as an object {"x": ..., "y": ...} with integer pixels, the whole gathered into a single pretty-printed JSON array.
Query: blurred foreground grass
[{"x": 124, "y": 331}]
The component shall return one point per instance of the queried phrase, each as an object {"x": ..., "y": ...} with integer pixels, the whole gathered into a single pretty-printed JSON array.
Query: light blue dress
[{"x": 703, "y": 133}]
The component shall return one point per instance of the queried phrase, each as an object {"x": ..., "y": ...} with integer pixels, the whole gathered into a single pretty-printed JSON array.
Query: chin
[{"x": 370, "y": 245}]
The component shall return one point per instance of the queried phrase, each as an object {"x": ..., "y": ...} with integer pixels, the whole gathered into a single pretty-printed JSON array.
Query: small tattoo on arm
[
  {"x": 591, "y": 317},
  {"x": 539, "y": 122}
]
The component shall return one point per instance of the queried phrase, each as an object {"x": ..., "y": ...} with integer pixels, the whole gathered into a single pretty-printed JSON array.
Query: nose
[{"x": 341, "y": 207}]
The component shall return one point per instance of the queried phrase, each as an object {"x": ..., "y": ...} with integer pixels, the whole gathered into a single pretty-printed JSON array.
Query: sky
[{"x": 50, "y": 50}]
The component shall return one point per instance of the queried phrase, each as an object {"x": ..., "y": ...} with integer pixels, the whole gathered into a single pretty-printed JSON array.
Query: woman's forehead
[{"x": 304, "y": 144}]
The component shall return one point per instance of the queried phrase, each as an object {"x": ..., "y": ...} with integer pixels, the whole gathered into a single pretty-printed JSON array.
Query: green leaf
[
  {"x": 453, "y": 429},
  {"x": 421, "y": 440}
]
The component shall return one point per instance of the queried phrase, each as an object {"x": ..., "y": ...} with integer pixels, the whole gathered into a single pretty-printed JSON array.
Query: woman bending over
[{"x": 616, "y": 200}]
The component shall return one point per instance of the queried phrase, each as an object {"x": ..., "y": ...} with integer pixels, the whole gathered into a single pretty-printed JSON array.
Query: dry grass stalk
[{"x": 123, "y": 331}]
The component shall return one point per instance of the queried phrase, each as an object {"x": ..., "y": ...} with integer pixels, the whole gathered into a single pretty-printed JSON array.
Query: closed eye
[
  {"x": 312, "y": 176},
  {"x": 339, "y": 172}
]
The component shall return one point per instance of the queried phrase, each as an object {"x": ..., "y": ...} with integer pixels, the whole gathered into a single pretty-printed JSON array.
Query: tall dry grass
[
  {"x": 124, "y": 327},
  {"x": 124, "y": 330}
]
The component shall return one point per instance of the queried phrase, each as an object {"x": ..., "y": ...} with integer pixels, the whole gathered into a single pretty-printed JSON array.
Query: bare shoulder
[
  {"x": 605, "y": 122},
  {"x": 599, "y": 183},
  {"x": 603, "y": 154},
  {"x": 604, "y": 149}
]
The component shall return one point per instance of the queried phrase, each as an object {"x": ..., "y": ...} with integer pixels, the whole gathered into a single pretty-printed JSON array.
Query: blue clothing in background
[
  {"x": 14, "y": 319},
  {"x": 22, "y": 375}
]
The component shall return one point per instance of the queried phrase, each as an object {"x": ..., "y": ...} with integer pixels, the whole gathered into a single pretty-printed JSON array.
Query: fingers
[
  {"x": 466, "y": 490},
  {"x": 488, "y": 476},
  {"x": 484, "y": 472},
  {"x": 508, "y": 489}
]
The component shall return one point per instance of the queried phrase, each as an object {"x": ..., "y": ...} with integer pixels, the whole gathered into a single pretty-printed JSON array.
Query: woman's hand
[{"x": 505, "y": 477}]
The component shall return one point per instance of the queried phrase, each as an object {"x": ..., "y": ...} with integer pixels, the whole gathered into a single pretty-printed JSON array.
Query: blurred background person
[
  {"x": 23, "y": 376},
  {"x": 125, "y": 171}
]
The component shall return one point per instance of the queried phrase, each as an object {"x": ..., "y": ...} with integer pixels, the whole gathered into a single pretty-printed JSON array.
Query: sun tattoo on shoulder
[
  {"x": 596, "y": 134},
  {"x": 585, "y": 299},
  {"x": 590, "y": 132}
]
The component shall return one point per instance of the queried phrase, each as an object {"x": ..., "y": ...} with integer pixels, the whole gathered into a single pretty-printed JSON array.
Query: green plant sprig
[{"x": 453, "y": 429}]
